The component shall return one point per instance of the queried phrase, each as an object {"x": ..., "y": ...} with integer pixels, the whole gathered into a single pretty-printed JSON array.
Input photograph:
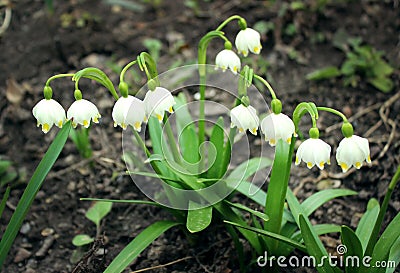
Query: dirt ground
[{"x": 80, "y": 33}]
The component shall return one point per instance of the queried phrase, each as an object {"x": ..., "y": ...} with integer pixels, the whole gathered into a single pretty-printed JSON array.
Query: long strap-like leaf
[
  {"x": 134, "y": 248},
  {"x": 31, "y": 190}
]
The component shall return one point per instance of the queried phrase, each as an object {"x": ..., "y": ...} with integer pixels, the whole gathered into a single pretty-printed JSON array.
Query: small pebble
[
  {"x": 22, "y": 254},
  {"x": 25, "y": 228},
  {"x": 47, "y": 231}
]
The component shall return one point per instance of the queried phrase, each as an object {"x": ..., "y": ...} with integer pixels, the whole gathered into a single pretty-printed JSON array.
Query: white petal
[
  {"x": 228, "y": 59},
  {"x": 157, "y": 102},
  {"x": 277, "y": 126},
  {"x": 48, "y": 113},
  {"x": 82, "y": 112},
  {"x": 313, "y": 152},
  {"x": 248, "y": 39},
  {"x": 245, "y": 118}
]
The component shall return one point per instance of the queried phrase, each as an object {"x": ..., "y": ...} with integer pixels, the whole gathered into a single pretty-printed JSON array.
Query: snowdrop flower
[
  {"x": 49, "y": 112},
  {"x": 314, "y": 151},
  {"x": 248, "y": 39},
  {"x": 128, "y": 111},
  {"x": 157, "y": 102},
  {"x": 352, "y": 151},
  {"x": 81, "y": 112},
  {"x": 277, "y": 126},
  {"x": 244, "y": 118},
  {"x": 228, "y": 59}
]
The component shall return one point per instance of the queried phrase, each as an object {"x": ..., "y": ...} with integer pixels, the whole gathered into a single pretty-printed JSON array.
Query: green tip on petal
[
  {"x": 78, "y": 94},
  {"x": 242, "y": 23},
  {"x": 228, "y": 45}
]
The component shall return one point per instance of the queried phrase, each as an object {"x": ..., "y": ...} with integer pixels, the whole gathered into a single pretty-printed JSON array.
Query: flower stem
[
  {"x": 172, "y": 142},
  {"x": 333, "y": 111},
  {"x": 266, "y": 83},
  {"x": 58, "y": 76},
  {"x": 121, "y": 76},
  {"x": 224, "y": 23}
]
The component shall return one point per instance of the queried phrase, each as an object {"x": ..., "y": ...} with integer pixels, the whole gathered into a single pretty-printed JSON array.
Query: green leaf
[
  {"x": 353, "y": 248},
  {"x": 4, "y": 165},
  {"x": 198, "y": 219},
  {"x": 367, "y": 222},
  {"x": 216, "y": 170},
  {"x": 32, "y": 189},
  {"x": 383, "y": 84},
  {"x": 394, "y": 256},
  {"x": 98, "y": 211},
  {"x": 82, "y": 239},
  {"x": 188, "y": 139},
  {"x": 319, "y": 229},
  {"x": 137, "y": 245},
  {"x": 323, "y": 73},
  {"x": 272, "y": 235},
  {"x": 382, "y": 248},
  {"x": 382, "y": 68},
  {"x": 314, "y": 245},
  {"x": 318, "y": 199},
  {"x": 248, "y": 168},
  {"x": 259, "y": 214}
]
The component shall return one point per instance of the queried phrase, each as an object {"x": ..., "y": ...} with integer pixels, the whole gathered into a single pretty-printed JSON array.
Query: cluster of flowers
[
  {"x": 131, "y": 111},
  {"x": 352, "y": 150},
  {"x": 127, "y": 111}
]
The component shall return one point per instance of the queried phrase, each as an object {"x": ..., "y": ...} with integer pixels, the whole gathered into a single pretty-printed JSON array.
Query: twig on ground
[{"x": 7, "y": 19}]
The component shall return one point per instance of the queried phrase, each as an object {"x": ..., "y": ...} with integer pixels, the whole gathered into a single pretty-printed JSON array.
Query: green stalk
[
  {"x": 277, "y": 188},
  {"x": 171, "y": 140},
  {"x": 57, "y": 77},
  {"x": 266, "y": 83},
  {"x": 333, "y": 111},
  {"x": 224, "y": 23},
  {"x": 378, "y": 224}
]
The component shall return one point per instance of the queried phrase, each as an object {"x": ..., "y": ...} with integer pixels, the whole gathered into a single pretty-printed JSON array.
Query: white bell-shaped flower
[
  {"x": 352, "y": 151},
  {"x": 48, "y": 113},
  {"x": 245, "y": 118},
  {"x": 277, "y": 126},
  {"x": 228, "y": 59},
  {"x": 157, "y": 102},
  {"x": 248, "y": 39},
  {"x": 314, "y": 151},
  {"x": 81, "y": 112},
  {"x": 128, "y": 111}
]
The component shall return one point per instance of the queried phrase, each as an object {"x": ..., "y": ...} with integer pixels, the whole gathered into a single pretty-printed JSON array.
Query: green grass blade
[
  {"x": 314, "y": 245},
  {"x": 4, "y": 200},
  {"x": 137, "y": 245},
  {"x": 385, "y": 243},
  {"x": 354, "y": 249},
  {"x": 32, "y": 189},
  {"x": 198, "y": 219},
  {"x": 365, "y": 226},
  {"x": 394, "y": 256},
  {"x": 272, "y": 235},
  {"x": 259, "y": 214},
  {"x": 318, "y": 199}
]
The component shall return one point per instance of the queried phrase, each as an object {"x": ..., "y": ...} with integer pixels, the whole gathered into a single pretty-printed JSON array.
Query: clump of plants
[
  {"x": 363, "y": 63},
  {"x": 187, "y": 159}
]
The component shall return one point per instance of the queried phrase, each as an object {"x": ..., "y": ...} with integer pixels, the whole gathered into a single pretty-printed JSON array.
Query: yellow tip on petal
[
  {"x": 123, "y": 125},
  {"x": 272, "y": 142},
  {"x": 344, "y": 167},
  {"x": 241, "y": 130},
  {"x": 137, "y": 126},
  {"x": 171, "y": 110},
  {"x": 145, "y": 119},
  {"x": 85, "y": 123},
  {"x": 289, "y": 140},
  {"x": 45, "y": 128},
  {"x": 309, "y": 165},
  {"x": 358, "y": 165},
  {"x": 115, "y": 124},
  {"x": 74, "y": 124},
  {"x": 60, "y": 124},
  {"x": 254, "y": 131},
  {"x": 235, "y": 68},
  {"x": 244, "y": 53},
  {"x": 321, "y": 165},
  {"x": 369, "y": 159},
  {"x": 329, "y": 162},
  {"x": 256, "y": 49},
  {"x": 297, "y": 161},
  {"x": 96, "y": 120},
  {"x": 159, "y": 117}
]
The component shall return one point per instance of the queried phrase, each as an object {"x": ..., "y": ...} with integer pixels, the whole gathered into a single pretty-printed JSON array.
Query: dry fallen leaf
[{"x": 14, "y": 91}]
